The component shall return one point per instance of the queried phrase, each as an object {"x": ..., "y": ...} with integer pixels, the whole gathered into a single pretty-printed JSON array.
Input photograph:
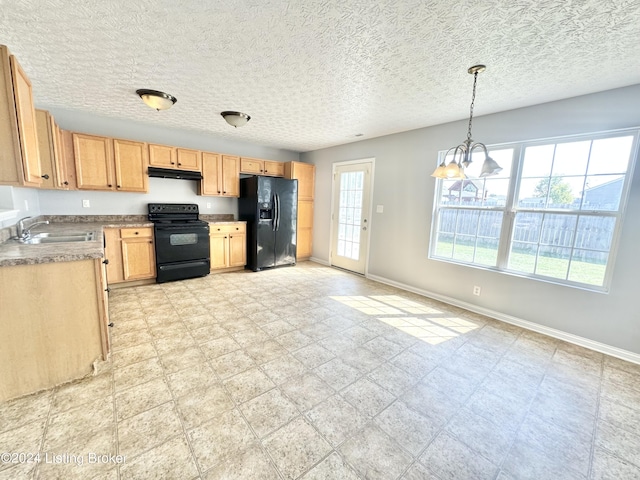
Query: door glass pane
[{"x": 350, "y": 218}]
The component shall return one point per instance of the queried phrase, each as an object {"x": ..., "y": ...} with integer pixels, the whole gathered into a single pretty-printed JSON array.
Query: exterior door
[{"x": 351, "y": 215}]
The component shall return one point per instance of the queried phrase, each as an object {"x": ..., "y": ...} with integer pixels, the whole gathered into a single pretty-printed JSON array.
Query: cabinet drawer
[
  {"x": 136, "y": 232},
  {"x": 234, "y": 228}
]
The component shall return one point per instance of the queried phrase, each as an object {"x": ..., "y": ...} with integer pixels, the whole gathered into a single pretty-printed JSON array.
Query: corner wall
[{"x": 400, "y": 236}]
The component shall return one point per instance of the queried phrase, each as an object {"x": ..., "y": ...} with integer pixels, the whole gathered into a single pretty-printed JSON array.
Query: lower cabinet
[
  {"x": 228, "y": 245},
  {"x": 130, "y": 253},
  {"x": 53, "y": 324}
]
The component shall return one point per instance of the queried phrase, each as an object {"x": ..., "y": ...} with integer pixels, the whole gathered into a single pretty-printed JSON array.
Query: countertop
[{"x": 14, "y": 253}]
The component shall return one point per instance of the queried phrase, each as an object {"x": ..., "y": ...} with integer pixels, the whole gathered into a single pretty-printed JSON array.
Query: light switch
[{"x": 379, "y": 208}]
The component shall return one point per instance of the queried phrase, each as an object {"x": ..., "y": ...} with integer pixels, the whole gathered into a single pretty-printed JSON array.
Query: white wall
[
  {"x": 55, "y": 202},
  {"x": 400, "y": 236},
  {"x": 24, "y": 200}
]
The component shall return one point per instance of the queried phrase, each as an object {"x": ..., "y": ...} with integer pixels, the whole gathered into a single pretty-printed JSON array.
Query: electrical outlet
[
  {"x": 86, "y": 204},
  {"x": 208, "y": 204},
  {"x": 476, "y": 290},
  {"x": 379, "y": 208}
]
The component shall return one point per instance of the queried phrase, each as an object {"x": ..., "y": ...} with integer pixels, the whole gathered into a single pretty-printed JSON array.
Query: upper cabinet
[
  {"x": 165, "y": 156},
  {"x": 104, "y": 163},
  {"x": 19, "y": 155},
  {"x": 255, "y": 166},
  {"x": 220, "y": 175},
  {"x": 306, "y": 175},
  {"x": 52, "y": 156}
]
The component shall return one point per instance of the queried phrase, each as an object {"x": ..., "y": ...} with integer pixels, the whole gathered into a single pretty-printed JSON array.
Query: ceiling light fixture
[
  {"x": 462, "y": 153},
  {"x": 156, "y": 99},
  {"x": 235, "y": 119}
]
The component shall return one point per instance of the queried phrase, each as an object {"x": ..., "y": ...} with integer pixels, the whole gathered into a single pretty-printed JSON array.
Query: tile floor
[{"x": 313, "y": 373}]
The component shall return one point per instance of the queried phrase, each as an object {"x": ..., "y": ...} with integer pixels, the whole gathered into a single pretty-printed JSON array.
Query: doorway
[{"x": 351, "y": 214}]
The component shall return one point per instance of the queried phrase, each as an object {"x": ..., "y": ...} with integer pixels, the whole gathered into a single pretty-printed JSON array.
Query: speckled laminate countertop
[{"x": 14, "y": 253}]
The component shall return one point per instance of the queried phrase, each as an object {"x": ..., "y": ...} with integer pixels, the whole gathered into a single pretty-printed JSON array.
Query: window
[{"x": 552, "y": 213}]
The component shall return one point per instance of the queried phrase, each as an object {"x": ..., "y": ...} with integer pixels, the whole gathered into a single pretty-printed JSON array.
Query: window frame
[{"x": 511, "y": 209}]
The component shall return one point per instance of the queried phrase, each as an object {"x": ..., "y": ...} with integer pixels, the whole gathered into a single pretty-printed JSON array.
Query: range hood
[{"x": 170, "y": 173}]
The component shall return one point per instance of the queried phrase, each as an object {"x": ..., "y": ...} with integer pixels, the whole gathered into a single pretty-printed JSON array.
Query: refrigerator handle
[
  {"x": 277, "y": 212},
  {"x": 274, "y": 217}
]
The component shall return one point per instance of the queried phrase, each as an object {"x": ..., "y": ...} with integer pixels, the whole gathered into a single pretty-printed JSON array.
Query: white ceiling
[{"x": 314, "y": 73}]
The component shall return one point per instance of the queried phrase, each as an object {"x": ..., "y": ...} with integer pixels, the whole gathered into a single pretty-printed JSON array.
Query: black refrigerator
[{"x": 269, "y": 205}]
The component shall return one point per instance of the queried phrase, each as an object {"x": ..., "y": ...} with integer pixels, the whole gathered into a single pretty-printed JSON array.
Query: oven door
[{"x": 181, "y": 243}]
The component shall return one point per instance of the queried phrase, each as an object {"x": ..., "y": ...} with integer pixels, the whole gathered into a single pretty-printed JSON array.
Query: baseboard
[
  {"x": 320, "y": 261},
  {"x": 551, "y": 332}
]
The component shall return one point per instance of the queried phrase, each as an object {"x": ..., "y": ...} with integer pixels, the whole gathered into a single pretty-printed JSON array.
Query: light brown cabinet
[
  {"x": 228, "y": 245},
  {"x": 19, "y": 155},
  {"x": 54, "y": 333},
  {"x": 51, "y": 147},
  {"x": 305, "y": 174},
  {"x": 256, "y": 166},
  {"x": 166, "y": 156},
  {"x": 103, "y": 163},
  {"x": 130, "y": 254},
  {"x": 220, "y": 175}
]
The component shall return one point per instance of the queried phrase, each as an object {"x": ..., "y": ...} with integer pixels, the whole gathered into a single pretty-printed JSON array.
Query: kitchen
[{"x": 253, "y": 360}]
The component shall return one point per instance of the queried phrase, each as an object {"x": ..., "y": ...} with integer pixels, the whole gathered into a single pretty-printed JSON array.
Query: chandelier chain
[{"x": 473, "y": 101}]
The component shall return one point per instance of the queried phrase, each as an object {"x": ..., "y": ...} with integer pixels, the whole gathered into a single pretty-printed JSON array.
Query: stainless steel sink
[{"x": 60, "y": 238}]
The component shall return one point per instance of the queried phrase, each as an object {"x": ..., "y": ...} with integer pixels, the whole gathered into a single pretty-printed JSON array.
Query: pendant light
[
  {"x": 235, "y": 119},
  {"x": 156, "y": 99},
  {"x": 462, "y": 153}
]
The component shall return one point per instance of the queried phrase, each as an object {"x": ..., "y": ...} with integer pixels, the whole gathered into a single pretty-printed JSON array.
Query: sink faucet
[{"x": 24, "y": 233}]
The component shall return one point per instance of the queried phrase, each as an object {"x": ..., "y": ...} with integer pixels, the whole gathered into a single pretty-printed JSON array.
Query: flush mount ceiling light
[
  {"x": 235, "y": 119},
  {"x": 462, "y": 153},
  {"x": 156, "y": 99}
]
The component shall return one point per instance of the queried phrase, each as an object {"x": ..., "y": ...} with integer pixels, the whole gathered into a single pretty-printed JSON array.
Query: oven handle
[{"x": 184, "y": 229}]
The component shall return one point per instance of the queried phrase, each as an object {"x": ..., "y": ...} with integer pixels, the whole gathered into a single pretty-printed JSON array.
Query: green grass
[{"x": 581, "y": 272}]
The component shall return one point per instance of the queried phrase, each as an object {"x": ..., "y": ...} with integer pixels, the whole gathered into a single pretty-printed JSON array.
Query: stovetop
[{"x": 173, "y": 212}]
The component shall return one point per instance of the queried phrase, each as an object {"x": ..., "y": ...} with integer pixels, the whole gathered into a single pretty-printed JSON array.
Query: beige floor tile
[
  {"x": 392, "y": 378},
  {"x": 417, "y": 471},
  {"x": 137, "y": 373},
  {"x": 313, "y": 355},
  {"x": 375, "y": 455},
  {"x": 142, "y": 397},
  {"x": 266, "y": 351},
  {"x": 430, "y": 403},
  {"x": 250, "y": 463},
  {"x": 80, "y": 392},
  {"x": 202, "y": 404},
  {"x": 189, "y": 379},
  {"x": 623, "y": 444},
  {"x": 408, "y": 428},
  {"x": 179, "y": 359},
  {"x": 148, "y": 429},
  {"x": 294, "y": 340},
  {"x": 337, "y": 373},
  {"x": 127, "y": 356},
  {"x": 21, "y": 411},
  {"x": 306, "y": 390},
  {"x": 219, "y": 346},
  {"x": 296, "y": 447},
  {"x": 505, "y": 410},
  {"x": 232, "y": 363},
  {"x": 220, "y": 438},
  {"x": 283, "y": 369},
  {"x": 24, "y": 439},
  {"x": 336, "y": 419},
  {"x": 528, "y": 463},
  {"x": 449, "y": 458},
  {"x": 18, "y": 471},
  {"x": 170, "y": 460},
  {"x": 268, "y": 412},
  {"x": 609, "y": 467},
  {"x": 248, "y": 385},
  {"x": 368, "y": 397},
  {"x": 332, "y": 467}
]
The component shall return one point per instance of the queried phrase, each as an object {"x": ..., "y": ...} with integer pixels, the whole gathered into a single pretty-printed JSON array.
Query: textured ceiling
[{"x": 314, "y": 73}]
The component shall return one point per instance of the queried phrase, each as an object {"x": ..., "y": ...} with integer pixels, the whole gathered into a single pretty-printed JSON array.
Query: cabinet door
[
  {"x": 305, "y": 229},
  {"x": 68, "y": 159},
  {"x": 275, "y": 169},
  {"x": 230, "y": 176},
  {"x": 94, "y": 162},
  {"x": 113, "y": 253},
  {"x": 251, "y": 166},
  {"x": 138, "y": 257},
  {"x": 59, "y": 163},
  {"x": 305, "y": 173},
  {"x": 211, "y": 178},
  {"x": 46, "y": 149},
  {"x": 237, "y": 249},
  {"x": 26, "y": 124},
  {"x": 219, "y": 250},
  {"x": 130, "y": 161},
  {"x": 162, "y": 156},
  {"x": 189, "y": 159}
]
